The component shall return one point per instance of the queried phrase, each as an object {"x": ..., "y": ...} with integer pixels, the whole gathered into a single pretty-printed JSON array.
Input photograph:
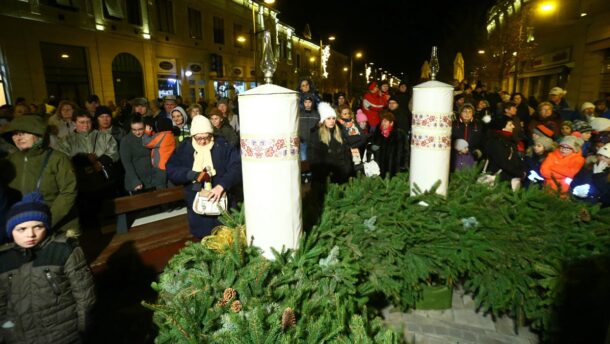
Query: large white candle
[
  {"x": 268, "y": 117},
  {"x": 431, "y": 136}
]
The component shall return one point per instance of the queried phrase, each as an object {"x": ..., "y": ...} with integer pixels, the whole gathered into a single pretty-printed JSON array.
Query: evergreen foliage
[{"x": 375, "y": 242}]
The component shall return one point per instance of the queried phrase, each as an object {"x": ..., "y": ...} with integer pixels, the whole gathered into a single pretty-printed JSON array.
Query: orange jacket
[
  {"x": 558, "y": 167},
  {"x": 162, "y": 146}
]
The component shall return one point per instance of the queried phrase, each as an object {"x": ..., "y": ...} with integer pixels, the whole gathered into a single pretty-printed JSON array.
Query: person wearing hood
[
  {"x": 46, "y": 287},
  {"x": 329, "y": 153},
  {"x": 562, "y": 164},
  {"x": 181, "y": 128},
  {"x": 307, "y": 89},
  {"x": 34, "y": 166},
  {"x": 204, "y": 158}
]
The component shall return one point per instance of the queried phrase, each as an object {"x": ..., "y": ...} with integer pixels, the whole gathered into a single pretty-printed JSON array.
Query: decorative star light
[{"x": 325, "y": 57}]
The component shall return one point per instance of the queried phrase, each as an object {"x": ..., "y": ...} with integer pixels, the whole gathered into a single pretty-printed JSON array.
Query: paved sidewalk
[{"x": 459, "y": 325}]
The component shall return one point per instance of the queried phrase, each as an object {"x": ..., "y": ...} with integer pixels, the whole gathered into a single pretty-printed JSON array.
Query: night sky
[{"x": 395, "y": 34}]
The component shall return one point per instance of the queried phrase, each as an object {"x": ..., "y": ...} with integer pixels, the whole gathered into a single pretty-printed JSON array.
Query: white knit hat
[
  {"x": 326, "y": 111},
  {"x": 201, "y": 125},
  {"x": 586, "y": 105},
  {"x": 460, "y": 144},
  {"x": 600, "y": 123},
  {"x": 558, "y": 91}
]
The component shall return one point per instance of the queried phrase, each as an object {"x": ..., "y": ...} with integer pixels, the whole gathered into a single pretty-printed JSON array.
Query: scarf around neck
[{"x": 202, "y": 158}]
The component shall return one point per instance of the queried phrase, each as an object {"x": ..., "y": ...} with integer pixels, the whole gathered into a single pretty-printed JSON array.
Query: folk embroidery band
[{"x": 279, "y": 148}]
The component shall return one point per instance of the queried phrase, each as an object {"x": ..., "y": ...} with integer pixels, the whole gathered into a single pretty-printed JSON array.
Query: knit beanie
[
  {"x": 372, "y": 85},
  {"x": 546, "y": 142},
  {"x": 30, "y": 208},
  {"x": 326, "y": 111},
  {"x": 360, "y": 116},
  {"x": 201, "y": 125},
  {"x": 460, "y": 144},
  {"x": 586, "y": 105},
  {"x": 557, "y": 91},
  {"x": 572, "y": 141},
  {"x": 103, "y": 110},
  {"x": 543, "y": 130},
  {"x": 581, "y": 126},
  {"x": 567, "y": 124}
]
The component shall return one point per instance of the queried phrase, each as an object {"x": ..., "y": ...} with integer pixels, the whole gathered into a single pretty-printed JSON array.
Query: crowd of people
[{"x": 60, "y": 161}]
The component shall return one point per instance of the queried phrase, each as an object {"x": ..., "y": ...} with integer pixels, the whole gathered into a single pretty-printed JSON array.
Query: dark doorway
[
  {"x": 66, "y": 71},
  {"x": 127, "y": 77}
]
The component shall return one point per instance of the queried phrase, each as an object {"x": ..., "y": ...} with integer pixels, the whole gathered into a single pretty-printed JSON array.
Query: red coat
[
  {"x": 371, "y": 106},
  {"x": 558, "y": 167}
]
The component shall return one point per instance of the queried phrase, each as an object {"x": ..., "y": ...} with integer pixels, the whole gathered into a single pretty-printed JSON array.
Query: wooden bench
[{"x": 127, "y": 204}]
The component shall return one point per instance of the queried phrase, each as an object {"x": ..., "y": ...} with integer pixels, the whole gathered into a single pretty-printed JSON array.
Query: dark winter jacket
[
  {"x": 58, "y": 183},
  {"x": 333, "y": 159},
  {"x": 227, "y": 163},
  {"x": 472, "y": 133},
  {"x": 46, "y": 292},
  {"x": 501, "y": 151},
  {"x": 227, "y": 132},
  {"x": 599, "y": 185},
  {"x": 403, "y": 118},
  {"x": 308, "y": 122},
  {"x": 388, "y": 151},
  {"x": 136, "y": 161}
]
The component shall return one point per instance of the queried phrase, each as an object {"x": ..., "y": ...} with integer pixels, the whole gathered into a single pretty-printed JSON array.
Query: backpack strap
[{"x": 44, "y": 164}]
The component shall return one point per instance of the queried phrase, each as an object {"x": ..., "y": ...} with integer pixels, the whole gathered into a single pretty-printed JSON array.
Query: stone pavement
[{"x": 459, "y": 325}]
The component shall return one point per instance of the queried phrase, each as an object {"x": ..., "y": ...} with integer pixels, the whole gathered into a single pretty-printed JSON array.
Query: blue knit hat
[{"x": 30, "y": 208}]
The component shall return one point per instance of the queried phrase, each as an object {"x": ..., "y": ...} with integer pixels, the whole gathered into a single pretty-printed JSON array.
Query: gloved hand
[
  {"x": 581, "y": 191},
  {"x": 477, "y": 154},
  {"x": 192, "y": 175},
  {"x": 534, "y": 176},
  {"x": 600, "y": 167}
]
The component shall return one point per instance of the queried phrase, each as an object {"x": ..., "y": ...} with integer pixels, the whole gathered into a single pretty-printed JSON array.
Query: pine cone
[
  {"x": 288, "y": 319},
  {"x": 584, "y": 215},
  {"x": 229, "y": 294},
  {"x": 221, "y": 303},
  {"x": 236, "y": 306}
]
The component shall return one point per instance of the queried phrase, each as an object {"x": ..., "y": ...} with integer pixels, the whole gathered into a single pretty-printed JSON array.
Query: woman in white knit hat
[
  {"x": 204, "y": 161},
  {"x": 328, "y": 152}
]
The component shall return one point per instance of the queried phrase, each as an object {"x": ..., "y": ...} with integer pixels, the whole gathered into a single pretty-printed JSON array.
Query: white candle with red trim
[
  {"x": 431, "y": 136},
  {"x": 268, "y": 117}
]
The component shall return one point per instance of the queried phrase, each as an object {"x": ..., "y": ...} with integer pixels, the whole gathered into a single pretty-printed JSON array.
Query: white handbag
[
  {"x": 371, "y": 168},
  {"x": 487, "y": 178},
  {"x": 203, "y": 206}
]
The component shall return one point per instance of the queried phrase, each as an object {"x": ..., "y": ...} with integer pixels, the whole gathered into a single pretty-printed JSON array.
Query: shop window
[
  {"x": 194, "y": 17},
  {"x": 134, "y": 15},
  {"x": 165, "y": 15},
  {"x": 168, "y": 85},
  {"x": 66, "y": 71},
  {"x": 219, "y": 30},
  {"x": 113, "y": 9}
]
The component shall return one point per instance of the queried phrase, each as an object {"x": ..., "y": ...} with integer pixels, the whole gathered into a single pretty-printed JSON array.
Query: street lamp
[
  {"x": 255, "y": 32},
  {"x": 358, "y": 56}
]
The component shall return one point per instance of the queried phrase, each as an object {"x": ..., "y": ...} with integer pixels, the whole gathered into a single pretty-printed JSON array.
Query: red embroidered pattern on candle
[
  {"x": 431, "y": 141},
  {"x": 432, "y": 121},
  {"x": 270, "y": 148}
]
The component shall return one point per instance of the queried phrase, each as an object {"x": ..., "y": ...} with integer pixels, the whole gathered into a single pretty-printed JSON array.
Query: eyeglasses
[{"x": 203, "y": 138}]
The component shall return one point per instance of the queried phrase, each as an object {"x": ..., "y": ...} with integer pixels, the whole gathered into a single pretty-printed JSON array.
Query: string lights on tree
[{"x": 325, "y": 57}]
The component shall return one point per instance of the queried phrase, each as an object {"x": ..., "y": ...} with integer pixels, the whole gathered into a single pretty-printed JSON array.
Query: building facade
[
  {"x": 535, "y": 45},
  {"x": 121, "y": 49}
]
